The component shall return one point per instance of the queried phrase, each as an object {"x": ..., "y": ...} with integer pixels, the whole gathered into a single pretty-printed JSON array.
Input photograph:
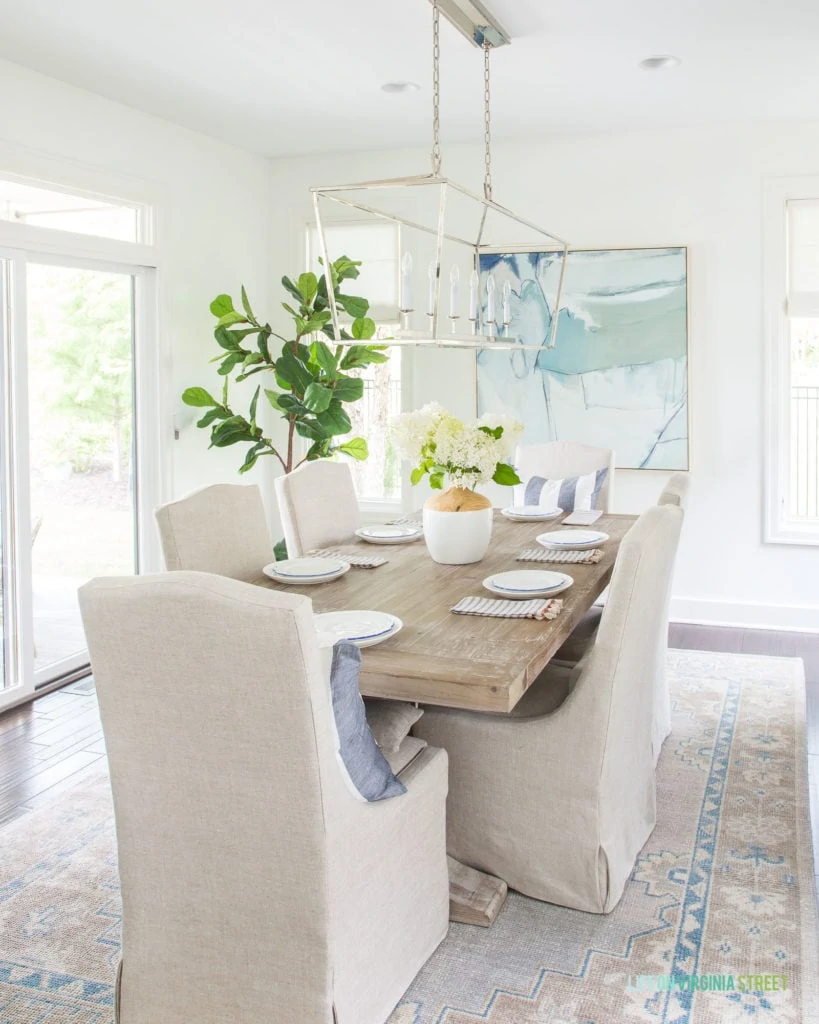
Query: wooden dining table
[{"x": 461, "y": 661}]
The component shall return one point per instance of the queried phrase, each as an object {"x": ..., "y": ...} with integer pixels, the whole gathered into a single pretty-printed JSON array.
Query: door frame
[{"x": 150, "y": 467}]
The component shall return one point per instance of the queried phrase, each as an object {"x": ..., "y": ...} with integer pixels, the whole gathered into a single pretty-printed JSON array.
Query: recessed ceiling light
[
  {"x": 661, "y": 62},
  {"x": 400, "y": 87}
]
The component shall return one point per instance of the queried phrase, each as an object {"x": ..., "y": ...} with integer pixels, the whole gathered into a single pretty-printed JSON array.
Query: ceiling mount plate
[{"x": 475, "y": 22}]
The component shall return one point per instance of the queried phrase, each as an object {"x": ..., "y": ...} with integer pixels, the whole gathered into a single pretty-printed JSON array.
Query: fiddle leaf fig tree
[{"x": 308, "y": 380}]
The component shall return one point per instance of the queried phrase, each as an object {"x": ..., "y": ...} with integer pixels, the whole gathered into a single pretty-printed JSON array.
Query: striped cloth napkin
[
  {"x": 550, "y": 555},
  {"x": 497, "y": 608},
  {"x": 359, "y": 561},
  {"x": 416, "y": 519}
]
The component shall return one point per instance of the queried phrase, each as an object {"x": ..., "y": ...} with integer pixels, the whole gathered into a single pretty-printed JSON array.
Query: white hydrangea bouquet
[
  {"x": 457, "y": 523},
  {"x": 441, "y": 445}
]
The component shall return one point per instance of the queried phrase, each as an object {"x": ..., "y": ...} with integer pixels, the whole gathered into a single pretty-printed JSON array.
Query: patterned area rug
[{"x": 723, "y": 890}]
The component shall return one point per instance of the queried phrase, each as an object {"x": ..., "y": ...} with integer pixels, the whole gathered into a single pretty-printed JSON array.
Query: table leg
[{"x": 474, "y": 897}]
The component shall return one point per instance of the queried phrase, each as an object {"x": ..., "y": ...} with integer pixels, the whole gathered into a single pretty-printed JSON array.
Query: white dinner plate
[
  {"x": 530, "y": 513},
  {"x": 388, "y": 534},
  {"x": 304, "y": 572},
  {"x": 363, "y": 628},
  {"x": 523, "y": 584},
  {"x": 572, "y": 540}
]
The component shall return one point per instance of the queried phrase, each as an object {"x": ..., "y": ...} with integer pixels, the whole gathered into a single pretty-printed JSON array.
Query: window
[
  {"x": 792, "y": 255},
  {"x": 42, "y": 207},
  {"x": 379, "y": 478}
]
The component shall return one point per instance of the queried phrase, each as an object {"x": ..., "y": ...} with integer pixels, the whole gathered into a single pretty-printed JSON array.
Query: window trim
[
  {"x": 373, "y": 510},
  {"x": 778, "y": 527}
]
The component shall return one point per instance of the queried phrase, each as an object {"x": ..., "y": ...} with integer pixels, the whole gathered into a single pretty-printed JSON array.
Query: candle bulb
[
  {"x": 454, "y": 288},
  {"x": 474, "y": 285},
  {"x": 432, "y": 273},
  {"x": 406, "y": 282},
  {"x": 506, "y": 293},
  {"x": 490, "y": 299}
]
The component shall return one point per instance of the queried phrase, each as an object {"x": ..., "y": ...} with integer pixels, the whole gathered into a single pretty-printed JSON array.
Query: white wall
[
  {"x": 213, "y": 231},
  {"x": 700, "y": 189}
]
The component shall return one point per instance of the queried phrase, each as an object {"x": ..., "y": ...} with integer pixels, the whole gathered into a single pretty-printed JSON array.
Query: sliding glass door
[
  {"x": 70, "y": 433},
  {"x": 80, "y": 332},
  {"x": 6, "y": 619}
]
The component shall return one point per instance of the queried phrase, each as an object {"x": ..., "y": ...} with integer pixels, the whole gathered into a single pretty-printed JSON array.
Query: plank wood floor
[{"x": 54, "y": 742}]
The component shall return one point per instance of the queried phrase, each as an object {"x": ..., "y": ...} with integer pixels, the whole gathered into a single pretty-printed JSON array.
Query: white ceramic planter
[{"x": 457, "y": 538}]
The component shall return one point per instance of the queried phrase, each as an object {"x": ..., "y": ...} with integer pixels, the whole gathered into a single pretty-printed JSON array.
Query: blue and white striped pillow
[
  {"x": 364, "y": 768},
  {"x": 572, "y": 492}
]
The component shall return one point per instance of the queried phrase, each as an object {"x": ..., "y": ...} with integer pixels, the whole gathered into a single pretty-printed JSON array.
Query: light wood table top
[{"x": 462, "y": 661}]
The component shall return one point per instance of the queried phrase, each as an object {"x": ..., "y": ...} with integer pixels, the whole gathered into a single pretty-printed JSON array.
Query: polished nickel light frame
[
  {"x": 437, "y": 336},
  {"x": 483, "y": 334}
]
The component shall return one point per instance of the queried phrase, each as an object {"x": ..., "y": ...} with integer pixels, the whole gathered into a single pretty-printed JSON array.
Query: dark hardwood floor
[{"x": 54, "y": 742}]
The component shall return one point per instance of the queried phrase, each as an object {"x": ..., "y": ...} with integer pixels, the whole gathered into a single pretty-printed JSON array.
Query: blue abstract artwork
[{"x": 618, "y": 374}]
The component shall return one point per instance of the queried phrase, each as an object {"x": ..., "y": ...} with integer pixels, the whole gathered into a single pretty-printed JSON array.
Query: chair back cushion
[
  {"x": 215, "y": 718},
  {"x": 317, "y": 505},
  {"x": 561, "y": 460},
  {"x": 569, "y": 493},
  {"x": 219, "y": 529}
]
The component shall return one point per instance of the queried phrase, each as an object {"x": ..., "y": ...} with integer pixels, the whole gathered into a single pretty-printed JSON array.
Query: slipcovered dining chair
[
  {"x": 255, "y": 886},
  {"x": 676, "y": 490},
  {"x": 557, "y": 798},
  {"x": 220, "y": 529},
  {"x": 557, "y": 460},
  {"x": 318, "y": 506},
  {"x": 582, "y": 636}
]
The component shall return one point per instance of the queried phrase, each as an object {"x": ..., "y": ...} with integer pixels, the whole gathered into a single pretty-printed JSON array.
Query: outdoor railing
[{"x": 804, "y": 461}]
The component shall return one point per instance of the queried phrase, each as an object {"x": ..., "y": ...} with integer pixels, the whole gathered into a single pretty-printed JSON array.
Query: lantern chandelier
[{"x": 449, "y": 233}]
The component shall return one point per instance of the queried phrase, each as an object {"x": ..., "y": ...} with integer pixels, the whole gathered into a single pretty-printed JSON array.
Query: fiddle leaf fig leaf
[
  {"x": 252, "y": 456},
  {"x": 349, "y": 389},
  {"x": 221, "y": 305},
  {"x": 294, "y": 291},
  {"x": 246, "y": 305},
  {"x": 308, "y": 286},
  {"x": 273, "y": 397},
  {"x": 363, "y": 328},
  {"x": 317, "y": 397},
  {"x": 231, "y": 318},
  {"x": 353, "y": 305},
  {"x": 356, "y": 448},
  {"x": 334, "y": 420},
  {"x": 253, "y": 403},
  {"x": 198, "y": 397}
]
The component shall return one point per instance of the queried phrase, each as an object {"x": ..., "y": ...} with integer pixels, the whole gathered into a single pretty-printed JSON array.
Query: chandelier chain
[
  {"x": 436, "y": 89},
  {"x": 487, "y": 123}
]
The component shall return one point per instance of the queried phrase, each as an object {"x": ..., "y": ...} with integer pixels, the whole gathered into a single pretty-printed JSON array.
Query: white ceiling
[{"x": 286, "y": 78}]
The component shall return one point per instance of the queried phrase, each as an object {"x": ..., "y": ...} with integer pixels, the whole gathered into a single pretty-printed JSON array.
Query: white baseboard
[{"x": 746, "y": 615}]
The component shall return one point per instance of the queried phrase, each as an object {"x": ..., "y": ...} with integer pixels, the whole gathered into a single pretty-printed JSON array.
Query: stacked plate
[
  {"x": 304, "y": 572},
  {"x": 524, "y": 584},
  {"x": 389, "y": 534},
  {"x": 363, "y": 628},
  {"x": 530, "y": 513},
  {"x": 572, "y": 540}
]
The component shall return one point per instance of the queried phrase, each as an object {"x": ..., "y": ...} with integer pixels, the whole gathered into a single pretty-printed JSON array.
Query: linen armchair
[
  {"x": 219, "y": 529},
  {"x": 317, "y": 505},
  {"x": 255, "y": 886},
  {"x": 559, "y": 459},
  {"x": 559, "y": 802}
]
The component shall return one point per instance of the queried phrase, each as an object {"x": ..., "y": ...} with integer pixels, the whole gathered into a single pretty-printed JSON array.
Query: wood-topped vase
[{"x": 457, "y": 526}]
